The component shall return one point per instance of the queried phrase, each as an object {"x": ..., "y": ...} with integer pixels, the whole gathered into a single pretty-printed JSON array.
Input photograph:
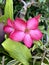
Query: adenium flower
[{"x": 27, "y": 32}]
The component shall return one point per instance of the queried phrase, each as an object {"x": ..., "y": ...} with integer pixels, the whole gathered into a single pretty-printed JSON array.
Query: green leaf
[
  {"x": 17, "y": 51},
  {"x": 9, "y": 9},
  {"x": 42, "y": 1},
  {"x": 46, "y": 60},
  {"x": 13, "y": 62},
  {"x": 48, "y": 31},
  {"x": 34, "y": 47},
  {"x": 43, "y": 63},
  {"x": 2, "y": 18},
  {"x": 0, "y": 1},
  {"x": 37, "y": 44},
  {"x": 38, "y": 63}
]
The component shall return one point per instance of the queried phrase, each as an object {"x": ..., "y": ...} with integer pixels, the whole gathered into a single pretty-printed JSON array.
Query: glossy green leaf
[
  {"x": 17, "y": 51},
  {"x": 9, "y": 9}
]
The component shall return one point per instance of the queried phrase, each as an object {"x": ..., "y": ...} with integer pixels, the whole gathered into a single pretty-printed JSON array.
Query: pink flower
[{"x": 19, "y": 30}]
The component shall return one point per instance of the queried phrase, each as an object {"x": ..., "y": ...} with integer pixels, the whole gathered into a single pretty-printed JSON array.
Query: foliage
[
  {"x": 39, "y": 53},
  {"x": 17, "y": 51}
]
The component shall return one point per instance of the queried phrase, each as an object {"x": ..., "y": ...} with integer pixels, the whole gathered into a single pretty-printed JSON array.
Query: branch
[
  {"x": 3, "y": 60},
  {"x": 24, "y": 8}
]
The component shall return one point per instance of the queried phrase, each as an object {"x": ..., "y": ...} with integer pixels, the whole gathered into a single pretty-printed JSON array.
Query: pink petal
[
  {"x": 32, "y": 23},
  {"x": 38, "y": 17},
  {"x": 17, "y": 36},
  {"x": 36, "y": 34},
  {"x": 9, "y": 22},
  {"x": 20, "y": 24},
  {"x": 8, "y": 29},
  {"x": 27, "y": 40}
]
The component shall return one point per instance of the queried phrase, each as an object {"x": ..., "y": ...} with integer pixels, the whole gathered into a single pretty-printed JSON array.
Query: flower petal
[
  {"x": 38, "y": 17},
  {"x": 17, "y": 36},
  {"x": 36, "y": 34},
  {"x": 8, "y": 29},
  {"x": 9, "y": 22},
  {"x": 32, "y": 23},
  {"x": 27, "y": 40},
  {"x": 20, "y": 24}
]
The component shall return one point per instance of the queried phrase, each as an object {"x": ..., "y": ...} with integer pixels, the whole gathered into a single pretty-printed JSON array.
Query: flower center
[{"x": 27, "y": 30}]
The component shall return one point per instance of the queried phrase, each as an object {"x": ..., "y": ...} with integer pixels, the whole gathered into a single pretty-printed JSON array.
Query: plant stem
[{"x": 3, "y": 60}]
